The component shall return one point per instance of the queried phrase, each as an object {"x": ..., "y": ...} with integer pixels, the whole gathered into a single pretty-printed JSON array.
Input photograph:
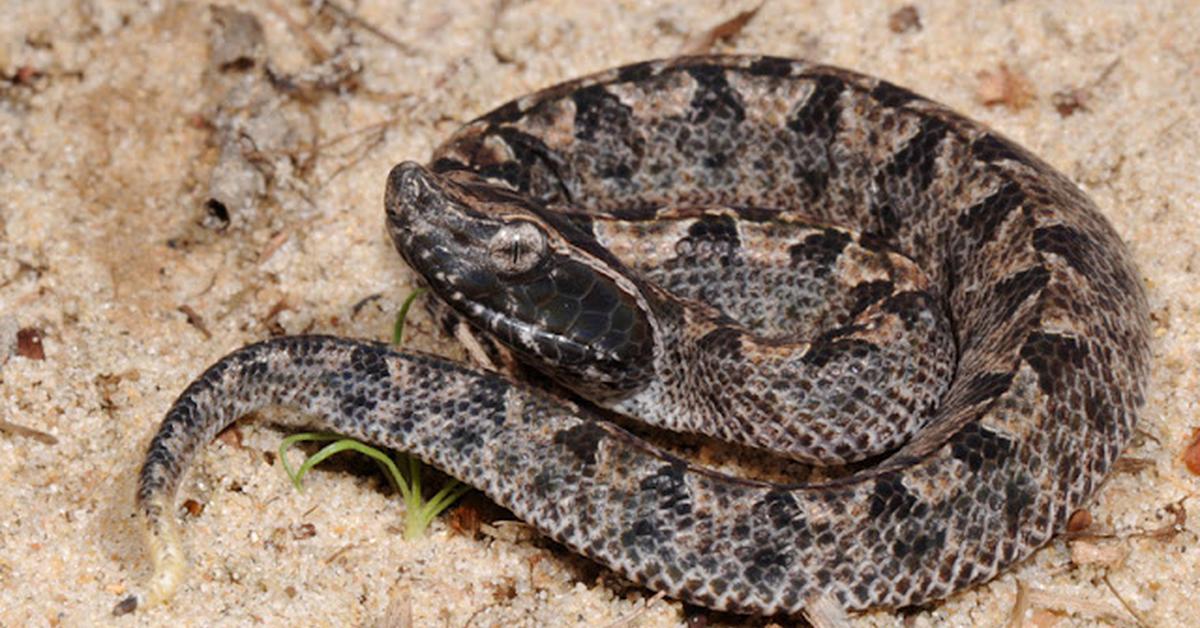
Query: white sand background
[{"x": 114, "y": 126}]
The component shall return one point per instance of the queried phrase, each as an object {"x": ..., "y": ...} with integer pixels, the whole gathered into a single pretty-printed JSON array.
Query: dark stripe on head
[
  {"x": 576, "y": 230},
  {"x": 445, "y": 164},
  {"x": 582, "y": 221},
  {"x": 528, "y": 151}
]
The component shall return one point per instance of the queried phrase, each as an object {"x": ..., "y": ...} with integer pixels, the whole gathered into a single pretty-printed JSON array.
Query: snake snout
[{"x": 411, "y": 190}]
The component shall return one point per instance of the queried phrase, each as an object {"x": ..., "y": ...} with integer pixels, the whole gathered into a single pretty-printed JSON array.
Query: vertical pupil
[{"x": 516, "y": 251}]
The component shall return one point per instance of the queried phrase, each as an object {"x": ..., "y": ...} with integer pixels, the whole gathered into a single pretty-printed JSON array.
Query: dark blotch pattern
[
  {"x": 991, "y": 148},
  {"x": 982, "y": 219},
  {"x": 909, "y": 307},
  {"x": 821, "y": 248},
  {"x": 370, "y": 361},
  {"x": 818, "y": 117},
  {"x": 891, "y": 498},
  {"x": 1019, "y": 494},
  {"x": 917, "y": 159},
  {"x": 865, "y": 294},
  {"x": 582, "y": 441},
  {"x": 1056, "y": 359},
  {"x": 1077, "y": 248},
  {"x": 714, "y": 97},
  {"x": 636, "y": 73},
  {"x": 530, "y": 155},
  {"x": 815, "y": 124},
  {"x": 773, "y": 67},
  {"x": 669, "y": 489},
  {"x": 720, "y": 228},
  {"x": 892, "y": 95},
  {"x": 834, "y": 345},
  {"x": 597, "y": 110},
  {"x": 978, "y": 446},
  {"x": 783, "y": 511},
  {"x": 1012, "y": 292},
  {"x": 722, "y": 344}
]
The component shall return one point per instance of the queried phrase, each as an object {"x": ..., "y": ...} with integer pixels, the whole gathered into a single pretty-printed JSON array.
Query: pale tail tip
[{"x": 166, "y": 553}]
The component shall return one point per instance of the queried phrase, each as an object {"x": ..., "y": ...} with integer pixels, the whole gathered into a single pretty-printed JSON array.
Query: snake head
[{"x": 526, "y": 277}]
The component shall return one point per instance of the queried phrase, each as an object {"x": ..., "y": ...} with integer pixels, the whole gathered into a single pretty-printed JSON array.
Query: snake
[{"x": 804, "y": 261}]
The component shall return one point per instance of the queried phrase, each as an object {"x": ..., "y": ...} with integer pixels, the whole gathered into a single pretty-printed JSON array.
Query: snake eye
[{"x": 517, "y": 247}]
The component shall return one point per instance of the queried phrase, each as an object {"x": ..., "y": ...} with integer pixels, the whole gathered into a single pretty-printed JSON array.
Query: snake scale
[{"x": 790, "y": 256}]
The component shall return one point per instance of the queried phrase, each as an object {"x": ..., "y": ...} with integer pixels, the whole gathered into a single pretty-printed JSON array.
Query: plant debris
[
  {"x": 237, "y": 41},
  {"x": 1129, "y": 464},
  {"x": 27, "y": 432},
  {"x": 1079, "y": 521},
  {"x": 1033, "y": 598},
  {"x": 29, "y": 344},
  {"x": 1191, "y": 453},
  {"x": 1068, "y": 101},
  {"x": 904, "y": 20},
  {"x": 194, "y": 319},
  {"x": 703, "y": 41},
  {"x": 1004, "y": 86},
  {"x": 1102, "y": 554}
]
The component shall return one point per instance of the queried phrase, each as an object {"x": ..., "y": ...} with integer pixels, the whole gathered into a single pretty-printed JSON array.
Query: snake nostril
[{"x": 409, "y": 187}]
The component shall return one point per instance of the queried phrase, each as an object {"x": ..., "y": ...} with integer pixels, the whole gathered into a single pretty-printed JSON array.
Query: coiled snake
[{"x": 786, "y": 255}]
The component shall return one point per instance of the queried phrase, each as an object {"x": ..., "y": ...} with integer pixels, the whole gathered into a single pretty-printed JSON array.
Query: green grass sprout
[
  {"x": 398, "y": 327},
  {"x": 418, "y": 512}
]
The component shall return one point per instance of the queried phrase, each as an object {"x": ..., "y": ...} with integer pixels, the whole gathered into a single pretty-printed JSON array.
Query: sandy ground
[{"x": 167, "y": 196}]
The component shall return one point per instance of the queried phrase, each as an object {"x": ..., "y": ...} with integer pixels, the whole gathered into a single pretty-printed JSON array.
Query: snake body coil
[{"x": 791, "y": 256}]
